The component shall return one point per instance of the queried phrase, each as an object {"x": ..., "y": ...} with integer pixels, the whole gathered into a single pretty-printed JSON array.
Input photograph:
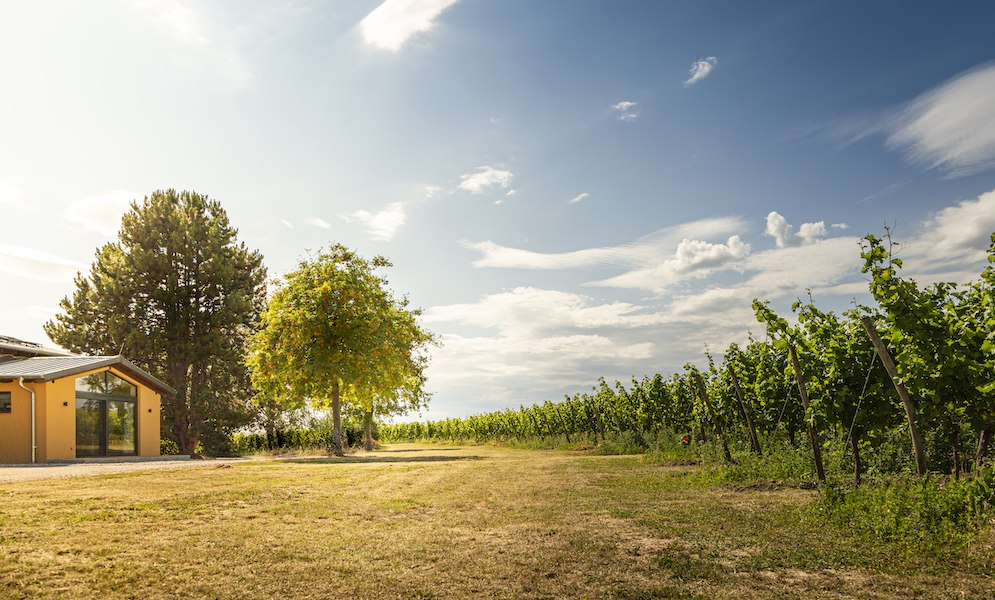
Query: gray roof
[
  {"x": 9, "y": 344},
  {"x": 50, "y": 368}
]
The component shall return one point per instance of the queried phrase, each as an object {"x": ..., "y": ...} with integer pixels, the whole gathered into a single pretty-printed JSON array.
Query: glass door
[
  {"x": 89, "y": 427},
  {"x": 106, "y": 411}
]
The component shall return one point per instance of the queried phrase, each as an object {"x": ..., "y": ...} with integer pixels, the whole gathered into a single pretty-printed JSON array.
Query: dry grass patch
[{"x": 437, "y": 522}]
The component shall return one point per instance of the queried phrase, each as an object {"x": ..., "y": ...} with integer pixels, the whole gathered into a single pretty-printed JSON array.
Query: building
[{"x": 57, "y": 406}]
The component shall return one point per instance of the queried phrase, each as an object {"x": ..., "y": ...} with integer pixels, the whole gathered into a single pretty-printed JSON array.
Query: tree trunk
[
  {"x": 754, "y": 440},
  {"x": 270, "y": 434},
  {"x": 337, "y": 446},
  {"x": 813, "y": 435},
  {"x": 910, "y": 408},
  {"x": 715, "y": 419},
  {"x": 955, "y": 441},
  {"x": 858, "y": 466},
  {"x": 368, "y": 430},
  {"x": 791, "y": 436},
  {"x": 983, "y": 440}
]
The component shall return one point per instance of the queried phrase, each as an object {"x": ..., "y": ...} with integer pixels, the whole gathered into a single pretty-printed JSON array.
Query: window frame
[{"x": 6, "y": 403}]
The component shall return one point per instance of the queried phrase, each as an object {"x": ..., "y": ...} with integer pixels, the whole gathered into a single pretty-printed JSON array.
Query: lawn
[{"x": 444, "y": 522}]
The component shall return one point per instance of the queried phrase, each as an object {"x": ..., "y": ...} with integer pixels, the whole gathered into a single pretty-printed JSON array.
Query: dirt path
[{"x": 14, "y": 473}]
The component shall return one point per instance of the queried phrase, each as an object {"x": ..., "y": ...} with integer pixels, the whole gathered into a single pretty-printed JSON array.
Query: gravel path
[{"x": 11, "y": 473}]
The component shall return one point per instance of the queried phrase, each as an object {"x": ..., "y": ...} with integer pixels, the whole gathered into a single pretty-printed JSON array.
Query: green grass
[{"x": 454, "y": 522}]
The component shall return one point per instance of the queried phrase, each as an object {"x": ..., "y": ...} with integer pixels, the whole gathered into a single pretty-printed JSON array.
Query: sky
[{"x": 570, "y": 189}]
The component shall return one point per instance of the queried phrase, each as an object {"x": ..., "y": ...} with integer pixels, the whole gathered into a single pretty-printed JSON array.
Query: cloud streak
[
  {"x": 393, "y": 23},
  {"x": 382, "y": 225},
  {"x": 35, "y": 264},
  {"x": 101, "y": 214},
  {"x": 700, "y": 69},
  {"x": 486, "y": 178},
  {"x": 950, "y": 128},
  {"x": 626, "y": 110},
  {"x": 639, "y": 252}
]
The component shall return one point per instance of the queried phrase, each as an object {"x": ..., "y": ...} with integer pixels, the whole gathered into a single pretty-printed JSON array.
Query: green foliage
[
  {"x": 333, "y": 332},
  {"x": 179, "y": 295},
  {"x": 915, "y": 511}
]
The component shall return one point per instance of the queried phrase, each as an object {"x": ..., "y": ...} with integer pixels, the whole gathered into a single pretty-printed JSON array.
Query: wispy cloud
[
  {"x": 486, "y": 178},
  {"x": 102, "y": 213},
  {"x": 951, "y": 127},
  {"x": 693, "y": 259},
  {"x": 318, "y": 222},
  {"x": 287, "y": 224},
  {"x": 579, "y": 198},
  {"x": 626, "y": 110},
  {"x": 184, "y": 21},
  {"x": 700, "y": 69},
  {"x": 394, "y": 22},
  {"x": 643, "y": 251},
  {"x": 35, "y": 264},
  {"x": 9, "y": 194},
  {"x": 383, "y": 224}
]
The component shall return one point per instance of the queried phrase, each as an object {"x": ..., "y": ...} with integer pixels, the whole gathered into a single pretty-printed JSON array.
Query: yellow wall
[
  {"x": 15, "y": 426},
  {"x": 148, "y": 422},
  {"x": 56, "y": 420}
]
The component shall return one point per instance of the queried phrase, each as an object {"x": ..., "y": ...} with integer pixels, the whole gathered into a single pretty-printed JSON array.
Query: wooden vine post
[
  {"x": 813, "y": 435},
  {"x": 903, "y": 393},
  {"x": 754, "y": 440},
  {"x": 703, "y": 392}
]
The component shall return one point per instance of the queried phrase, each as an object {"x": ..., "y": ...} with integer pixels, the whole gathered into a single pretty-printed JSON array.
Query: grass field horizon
[{"x": 437, "y": 521}]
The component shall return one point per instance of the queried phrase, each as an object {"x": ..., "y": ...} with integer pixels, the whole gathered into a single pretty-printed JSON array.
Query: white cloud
[
  {"x": 35, "y": 264},
  {"x": 511, "y": 192},
  {"x": 185, "y": 22},
  {"x": 394, "y": 22},
  {"x": 578, "y": 198},
  {"x": 808, "y": 233},
  {"x": 958, "y": 234},
  {"x": 951, "y": 127},
  {"x": 841, "y": 226},
  {"x": 9, "y": 194},
  {"x": 486, "y": 178},
  {"x": 700, "y": 69},
  {"x": 287, "y": 224},
  {"x": 541, "y": 341},
  {"x": 382, "y": 225},
  {"x": 102, "y": 213},
  {"x": 528, "y": 310},
  {"x": 642, "y": 251},
  {"x": 779, "y": 229},
  {"x": 693, "y": 259},
  {"x": 626, "y": 111},
  {"x": 317, "y": 222}
]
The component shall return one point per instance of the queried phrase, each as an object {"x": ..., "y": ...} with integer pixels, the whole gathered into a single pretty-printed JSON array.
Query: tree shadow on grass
[
  {"x": 401, "y": 450},
  {"x": 378, "y": 459}
]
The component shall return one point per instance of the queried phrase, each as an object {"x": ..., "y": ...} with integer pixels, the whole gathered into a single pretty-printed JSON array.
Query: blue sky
[{"x": 569, "y": 189}]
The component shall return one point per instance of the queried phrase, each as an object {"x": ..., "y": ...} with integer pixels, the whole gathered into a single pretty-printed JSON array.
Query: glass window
[
  {"x": 105, "y": 382},
  {"x": 4, "y": 402},
  {"x": 93, "y": 384},
  {"x": 116, "y": 385}
]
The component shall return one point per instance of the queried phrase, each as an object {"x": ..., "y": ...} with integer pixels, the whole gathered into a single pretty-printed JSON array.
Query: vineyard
[{"x": 906, "y": 386}]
